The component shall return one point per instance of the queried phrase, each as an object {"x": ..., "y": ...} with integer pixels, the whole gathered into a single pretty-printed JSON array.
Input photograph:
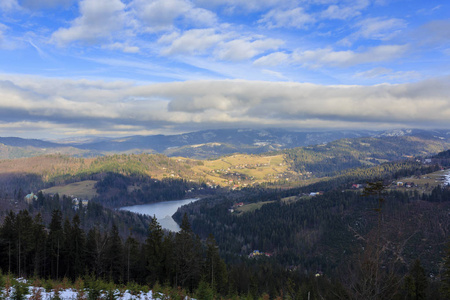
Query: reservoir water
[{"x": 162, "y": 210}]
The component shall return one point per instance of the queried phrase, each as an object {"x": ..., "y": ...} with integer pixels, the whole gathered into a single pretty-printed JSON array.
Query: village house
[{"x": 357, "y": 186}]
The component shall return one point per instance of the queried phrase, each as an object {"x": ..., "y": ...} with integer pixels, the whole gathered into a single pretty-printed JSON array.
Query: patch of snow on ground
[
  {"x": 447, "y": 178},
  {"x": 69, "y": 294}
]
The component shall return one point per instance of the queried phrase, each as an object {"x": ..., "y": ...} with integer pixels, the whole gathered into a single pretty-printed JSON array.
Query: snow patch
[{"x": 447, "y": 178}]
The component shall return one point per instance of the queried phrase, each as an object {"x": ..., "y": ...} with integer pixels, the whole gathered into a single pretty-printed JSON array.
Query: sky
[{"x": 139, "y": 67}]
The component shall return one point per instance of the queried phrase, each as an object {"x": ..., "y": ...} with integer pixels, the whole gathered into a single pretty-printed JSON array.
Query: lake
[{"x": 162, "y": 210}]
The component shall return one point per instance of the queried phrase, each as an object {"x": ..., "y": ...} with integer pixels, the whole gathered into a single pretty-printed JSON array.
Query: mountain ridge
[{"x": 200, "y": 144}]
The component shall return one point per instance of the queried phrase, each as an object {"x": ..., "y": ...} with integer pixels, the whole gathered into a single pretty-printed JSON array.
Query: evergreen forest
[{"x": 354, "y": 231}]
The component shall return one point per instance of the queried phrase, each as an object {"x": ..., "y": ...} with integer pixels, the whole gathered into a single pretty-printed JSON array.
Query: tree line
[{"x": 64, "y": 250}]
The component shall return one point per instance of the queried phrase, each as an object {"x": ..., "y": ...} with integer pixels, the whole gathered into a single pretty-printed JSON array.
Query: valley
[{"x": 302, "y": 209}]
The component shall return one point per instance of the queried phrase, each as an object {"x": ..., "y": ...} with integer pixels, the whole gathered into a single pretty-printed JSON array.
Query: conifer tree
[
  {"x": 445, "y": 278},
  {"x": 188, "y": 256},
  {"x": 134, "y": 262},
  {"x": 416, "y": 282},
  {"x": 95, "y": 249},
  {"x": 39, "y": 239},
  {"x": 77, "y": 249},
  {"x": 153, "y": 246},
  {"x": 168, "y": 274},
  {"x": 114, "y": 258},
  {"x": 24, "y": 231},
  {"x": 55, "y": 243},
  {"x": 8, "y": 242},
  {"x": 215, "y": 267}
]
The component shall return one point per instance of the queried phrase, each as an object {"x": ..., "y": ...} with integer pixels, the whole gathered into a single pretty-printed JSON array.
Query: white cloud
[
  {"x": 160, "y": 15},
  {"x": 375, "y": 29},
  {"x": 241, "y": 49},
  {"x": 434, "y": 33},
  {"x": 9, "y": 5},
  {"x": 224, "y": 46},
  {"x": 123, "y": 47},
  {"x": 386, "y": 73},
  {"x": 291, "y": 18},
  {"x": 273, "y": 59},
  {"x": 345, "y": 9},
  {"x": 238, "y": 6},
  {"x": 7, "y": 41},
  {"x": 275, "y": 74},
  {"x": 98, "y": 21},
  {"x": 112, "y": 106},
  {"x": 2, "y": 29},
  {"x": 201, "y": 17},
  {"x": 375, "y": 72},
  {"x": 328, "y": 57},
  {"x": 380, "y": 29},
  {"x": 195, "y": 41}
]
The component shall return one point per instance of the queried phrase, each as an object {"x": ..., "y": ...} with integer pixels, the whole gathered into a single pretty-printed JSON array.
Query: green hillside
[{"x": 334, "y": 157}]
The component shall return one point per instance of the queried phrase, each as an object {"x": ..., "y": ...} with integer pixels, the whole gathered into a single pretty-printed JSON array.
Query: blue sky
[{"x": 112, "y": 67}]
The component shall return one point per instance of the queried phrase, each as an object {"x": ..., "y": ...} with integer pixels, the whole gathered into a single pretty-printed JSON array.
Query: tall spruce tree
[
  {"x": 55, "y": 243},
  {"x": 114, "y": 258},
  {"x": 215, "y": 267},
  {"x": 39, "y": 239},
  {"x": 24, "y": 227},
  {"x": 96, "y": 244},
  {"x": 8, "y": 243},
  {"x": 77, "y": 250},
  {"x": 445, "y": 277},
  {"x": 134, "y": 262},
  {"x": 154, "y": 248},
  {"x": 416, "y": 282},
  {"x": 188, "y": 256}
]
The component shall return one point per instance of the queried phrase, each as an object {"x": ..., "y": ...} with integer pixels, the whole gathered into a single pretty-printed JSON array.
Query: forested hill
[
  {"x": 301, "y": 231},
  {"x": 335, "y": 157},
  {"x": 330, "y": 227},
  {"x": 202, "y": 144},
  {"x": 288, "y": 167}
]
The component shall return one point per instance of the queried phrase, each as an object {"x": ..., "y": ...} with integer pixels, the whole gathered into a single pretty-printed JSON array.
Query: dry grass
[
  {"x": 83, "y": 189},
  {"x": 255, "y": 168},
  {"x": 251, "y": 207},
  {"x": 425, "y": 183}
]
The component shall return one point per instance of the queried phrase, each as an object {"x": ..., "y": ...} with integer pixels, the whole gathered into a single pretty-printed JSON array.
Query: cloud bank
[{"x": 67, "y": 107}]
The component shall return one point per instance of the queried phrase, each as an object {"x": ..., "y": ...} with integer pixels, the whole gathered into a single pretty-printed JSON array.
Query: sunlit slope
[{"x": 237, "y": 170}]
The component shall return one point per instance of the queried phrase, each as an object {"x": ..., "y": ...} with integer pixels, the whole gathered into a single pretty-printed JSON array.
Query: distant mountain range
[{"x": 201, "y": 144}]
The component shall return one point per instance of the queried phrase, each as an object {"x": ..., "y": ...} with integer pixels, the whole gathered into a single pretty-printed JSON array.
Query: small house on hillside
[{"x": 357, "y": 186}]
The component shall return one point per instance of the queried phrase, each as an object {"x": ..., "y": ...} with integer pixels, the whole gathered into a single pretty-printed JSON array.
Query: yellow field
[
  {"x": 83, "y": 189},
  {"x": 425, "y": 183},
  {"x": 243, "y": 169}
]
